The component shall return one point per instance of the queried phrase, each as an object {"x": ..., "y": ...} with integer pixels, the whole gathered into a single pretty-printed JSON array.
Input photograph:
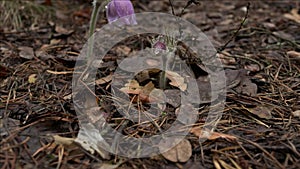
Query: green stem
[
  {"x": 162, "y": 78},
  {"x": 97, "y": 8}
]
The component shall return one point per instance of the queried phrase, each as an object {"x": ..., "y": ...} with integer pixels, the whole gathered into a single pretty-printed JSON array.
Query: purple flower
[
  {"x": 122, "y": 9},
  {"x": 160, "y": 45}
]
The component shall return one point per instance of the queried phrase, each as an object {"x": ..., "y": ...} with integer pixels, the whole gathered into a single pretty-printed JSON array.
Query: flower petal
[
  {"x": 160, "y": 45},
  {"x": 121, "y": 9},
  {"x": 111, "y": 12}
]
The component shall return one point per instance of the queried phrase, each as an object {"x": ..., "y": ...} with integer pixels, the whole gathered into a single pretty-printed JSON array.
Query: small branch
[
  {"x": 190, "y": 2},
  {"x": 172, "y": 7},
  {"x": 237, "y": 31}
]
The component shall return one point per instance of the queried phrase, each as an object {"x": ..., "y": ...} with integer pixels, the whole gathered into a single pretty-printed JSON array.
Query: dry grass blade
[
  {"x": 266, "y": 152},
  {"x": 16, "y": 14}
]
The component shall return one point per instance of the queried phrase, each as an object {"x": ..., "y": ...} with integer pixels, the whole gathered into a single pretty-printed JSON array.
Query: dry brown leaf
[
  {"x": 179, "y": 153},
  {"x": 26, "y": 52},
  {"x": 32, "y": 78},
  {"x": 63, "y": 140},
  {"x": 107, "y": 165},
  {"x": 293, "y": 54},
  {"x": 82, "y": 13},
  {"x": 197, "y": 131},
  {"x": 104, "y": 80},
  {"x": 55, "y": 41},
  {"x": 176, "y": 80},
  {"x": 261, "y": 111},
  {"x": 132, "y": 87},
  {"x": 146, "y": 90},
  {"x": 63, "y": 31},
  {"x": 293, "y": 15},
  {"x": 226, "y": 58},
  {"x": 142, "y": 76},
  {"x": 296, "y": 113},
  {"x": 147, "y": 93},
  {"x": 245, "y": 86},
  {"x": 252, "y": 67},
  {"x": 216, "y": 135},
  {"x": 173, "y": 97},
  {"x": 123, "y": 50}
]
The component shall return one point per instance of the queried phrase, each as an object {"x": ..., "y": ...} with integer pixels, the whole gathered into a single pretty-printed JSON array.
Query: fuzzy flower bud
[
  {"x": 160, "y": 45},
  {"x": 121, "y": 9}
]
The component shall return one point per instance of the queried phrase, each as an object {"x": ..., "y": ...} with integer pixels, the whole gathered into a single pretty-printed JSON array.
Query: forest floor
[{"x": 260, "y": 123}]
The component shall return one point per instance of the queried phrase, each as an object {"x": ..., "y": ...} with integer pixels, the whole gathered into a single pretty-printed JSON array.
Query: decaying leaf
[
  {"x": 147, "y": 93},
  {"x": 245, "y": 85},
  {"x": 294, "y": 54},
  {"x": 173, "y": 97},
  {"x": 62, "y": 31},
  {"x": 296, "y": 113},
  {"x": 63, "y": 140},
  {"x": 55, "y": 41},
  {"x": 197, "y": 131},
  {"x": 176, "y": 80},
  {"x": 294, "y": 15},
  {"x": 123, "y": 50},
  {"x": 233, "y": 77},
  {"x": 146, "y": 90},
  {"x": 261, "y": 111},
  {"x": 26, "y": 52},
  {"x": 108, "y": 165},
  {"x": 32, "y": 78},
  {"x": 104, "y": 80},
  {"x": 226, "y": 58},
  {"x": 252, "y": 67},
  {"x": 179, "y": 153},
  {"x": 142, "y": 76},
  {"x": 132, "y": 87}
]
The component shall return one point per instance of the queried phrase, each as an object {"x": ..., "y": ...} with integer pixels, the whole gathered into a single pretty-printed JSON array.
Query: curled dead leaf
[
  {"x": 294, "y": 54},
  {"x": 179, "y": 153},
  {"x": 226, "y": 58},
  {"x": 252, "y": 67},
  {"x": 132, "y": 87},
  {"x": 147, "y": 93},
  {"x": 63, "y": 140},
  {"x": 62, "y": 31},
  {"x": 26, "y": 52},
  {"x": 261, "y": 111},
  {"x": 104, "y": 80},
  {"x": 123, "y": 50},
  {"x": 32, "y": 78},
  {"x": 296, "y": 113},
  {"x": 197, "y": 131},
  {"x": 176, "y": 80},
  {"x": 293, "y": 15}
]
